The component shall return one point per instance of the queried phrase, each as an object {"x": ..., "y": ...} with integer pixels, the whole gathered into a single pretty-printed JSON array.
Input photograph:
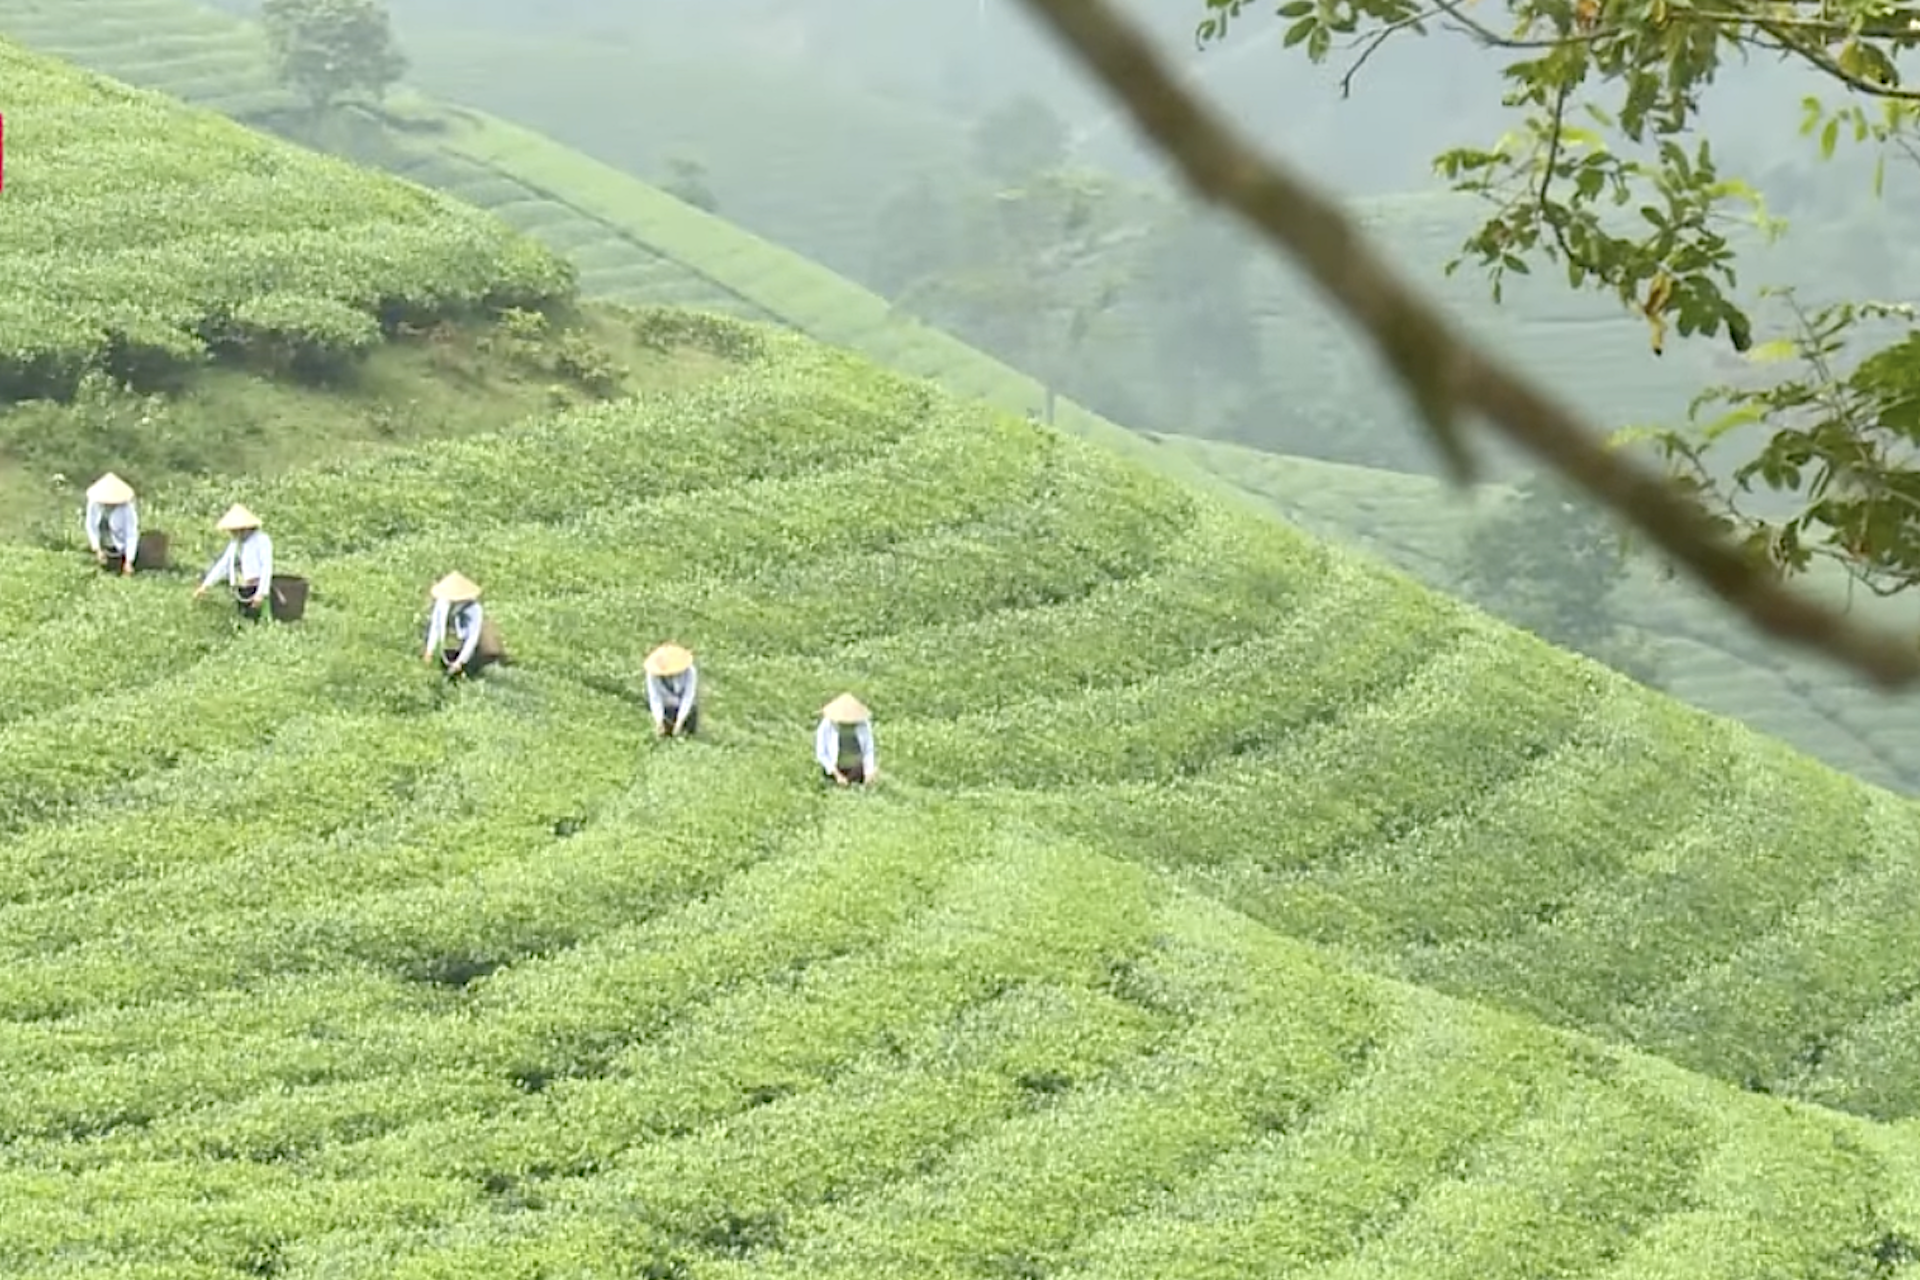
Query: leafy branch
[{"x": 1443, "y": 372}]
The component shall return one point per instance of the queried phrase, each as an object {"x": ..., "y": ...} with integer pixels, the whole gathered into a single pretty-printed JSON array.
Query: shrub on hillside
[
  {"x": 89, "y": 435},
  {"x": 665, "y": 328},
  {"x": 310, "y": 339}
]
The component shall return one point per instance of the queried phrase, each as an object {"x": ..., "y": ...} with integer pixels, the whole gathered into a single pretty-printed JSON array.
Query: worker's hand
[
  {"x": 259, "y": 597},
  {"x": 126, "y": 570},
  {"x": 453, "y": 669},
  {"x": 840, "y": 777},
  {"x": 199, "y": 592},
  {"x": 660, "y": 728},
  {"x": 99, "y": 557},
  {"x": 873, "y": 774}
]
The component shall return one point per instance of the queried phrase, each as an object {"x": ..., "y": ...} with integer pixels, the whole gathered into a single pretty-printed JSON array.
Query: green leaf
[
  {"x": 1811, "y": 112},
  {"x": 1745, "y": 416},
  {"x": 1774, "y": 352},
  {"x": 1622, "y": 437},
  {"x": 1295, "y": 9},
  {"x": 1829, "y": 138},
  {"x": 1299, "y": 31}
]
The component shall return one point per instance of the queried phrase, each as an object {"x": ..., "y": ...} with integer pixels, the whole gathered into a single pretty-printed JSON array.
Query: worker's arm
[
  {"x": 686, "y": 697},
  {"x": 656, "y": 698},
  {"x": 472, "y": 641},
  {"x": 130, "y": 535},
  {"x": 826, "y": 746},
  {"x": 436, "y": 627},
  {"x": 222, "y": 567},
  {"x": 93, "y": 526}
]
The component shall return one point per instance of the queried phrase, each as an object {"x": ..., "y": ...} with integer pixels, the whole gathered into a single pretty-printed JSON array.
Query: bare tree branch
[
  {"x": 1373, "y": 43},
  {"x": 1440, "y": 370}
]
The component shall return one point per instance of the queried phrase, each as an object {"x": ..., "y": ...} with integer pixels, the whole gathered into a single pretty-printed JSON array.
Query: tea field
[
  {"x": 1229, "y": 904},
  {"x": 316, "y": 965}
]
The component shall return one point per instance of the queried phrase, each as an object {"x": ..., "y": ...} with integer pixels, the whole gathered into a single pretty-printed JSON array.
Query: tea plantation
[
  {"x": 313, "y": 963},
  {"x": 1230, "y": 905}
]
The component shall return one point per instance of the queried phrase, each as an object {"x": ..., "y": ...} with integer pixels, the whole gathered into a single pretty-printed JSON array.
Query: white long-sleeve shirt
[
  {"x": 829, "y": 747},
  {"x": 680, "y": 688},
  {"x": 465, "y": 620},
  {"x": 122, "y": 523},
  {"x": 248, "y": 559}
]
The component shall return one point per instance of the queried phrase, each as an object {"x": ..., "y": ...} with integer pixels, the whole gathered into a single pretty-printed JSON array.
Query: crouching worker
[
  {"x": 456, "y": 608},
  {"x": 246, "y": 564},
  {"x": 843, "y": 744},
  {"x": 671, "y": 684},
  {"x": 113, "y": 523}
]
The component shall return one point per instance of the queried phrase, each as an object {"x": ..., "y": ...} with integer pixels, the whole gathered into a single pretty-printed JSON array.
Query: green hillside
[
  {"x": 1584, "y": 346},
  {"x": 479, "y": 981},
  {"x": 185, "y": 295},
  {"x": 140, "y": 241},
  {"x": 312, "y": 965},
  {"x": 631, "y": 242}
]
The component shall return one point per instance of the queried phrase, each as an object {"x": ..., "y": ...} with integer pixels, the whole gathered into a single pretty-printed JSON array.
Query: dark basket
[
  {"x": 151, "y": 553},
  {"x": 490, "y": 647},
  {"x": 288, "y": 599}
]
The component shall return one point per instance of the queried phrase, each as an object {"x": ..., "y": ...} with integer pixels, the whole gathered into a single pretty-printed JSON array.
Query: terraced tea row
[
  {"x": 1417, "y": 525},
  {"x": 148, "y": 234}
]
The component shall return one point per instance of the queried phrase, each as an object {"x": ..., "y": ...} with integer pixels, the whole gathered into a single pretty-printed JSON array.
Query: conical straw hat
[
  {"x": 110, "y": 490},
  {"x": 845, "y": 709},
  {"x": 237, "y": 519},
  {"x": 456, "y": 588},
  {"x": 668, "y": 660}
]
